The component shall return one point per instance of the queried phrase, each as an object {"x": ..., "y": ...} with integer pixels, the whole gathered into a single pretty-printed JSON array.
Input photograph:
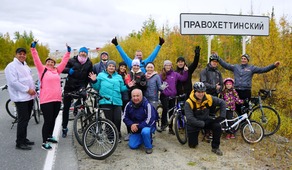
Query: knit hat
[
  {"x": 122, "y": 64},
  {"x": 83, "y": 49},
  {"x": 167, "y": 62},
  {"x": 18, "y": 50},
  {"x": 111, "y": 62},
  {"x": 246, "y": 56},
  {"x": 180, "y": 58},
  {"x": 136, "y": 62}
]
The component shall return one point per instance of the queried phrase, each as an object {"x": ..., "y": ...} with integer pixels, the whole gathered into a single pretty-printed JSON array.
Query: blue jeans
[{"x": 145, "y": 137}]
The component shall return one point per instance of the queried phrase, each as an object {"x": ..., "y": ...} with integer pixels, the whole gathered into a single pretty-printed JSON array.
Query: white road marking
[{"x": 51, "y": 155}]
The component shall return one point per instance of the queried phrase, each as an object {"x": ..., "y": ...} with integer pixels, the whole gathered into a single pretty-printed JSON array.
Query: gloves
[
  {"x": 219, "y": 119},
  {"x": 197, "y": 50},
  {"x": 71, "y": 71},
  {"x": 33, "y": 44},
  {"x": 164, "y": 85},
  {"x": 161, "y": 41},
  {"x": 69, "y": 50},
  {"x": 115, "y": 41}
]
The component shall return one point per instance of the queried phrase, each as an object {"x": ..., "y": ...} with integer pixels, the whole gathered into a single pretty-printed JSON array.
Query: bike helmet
[
  {"x": 246, "y": 56},
  {"x": 228, "y": 79},
  {"x": 199, "y": 86},
  {"x": 214, "y": 57}
]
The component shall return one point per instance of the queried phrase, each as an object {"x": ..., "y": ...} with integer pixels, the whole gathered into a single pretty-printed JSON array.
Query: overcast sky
[{"x": 92, "y": 23}]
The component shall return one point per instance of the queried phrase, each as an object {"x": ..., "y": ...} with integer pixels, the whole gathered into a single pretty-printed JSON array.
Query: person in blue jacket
[
  {"x": 138, "y": 54},
  {"x": 110, "y": 84},
  {"x": 141, "y": 117}
]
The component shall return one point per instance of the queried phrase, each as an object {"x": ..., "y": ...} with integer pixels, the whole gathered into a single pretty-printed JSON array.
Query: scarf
[
  {"x": 82, "y": 60},
  {"x": 149, "y": 75}
]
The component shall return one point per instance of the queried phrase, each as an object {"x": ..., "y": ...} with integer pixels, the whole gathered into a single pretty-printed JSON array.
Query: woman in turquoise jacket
[{"x": 110, "y": 85}]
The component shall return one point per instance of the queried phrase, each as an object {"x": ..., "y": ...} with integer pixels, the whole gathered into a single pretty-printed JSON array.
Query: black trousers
[
  {"x": 243, "y": 94},
  {"x": 114, "y": 115},
  {"x": 24, "y": 110},
  {"x": 194, "y": 134},
  {"x": 50, "y": 113},
  {"x": 67, "y": 101},
  {"x": 166, "y": 105}
]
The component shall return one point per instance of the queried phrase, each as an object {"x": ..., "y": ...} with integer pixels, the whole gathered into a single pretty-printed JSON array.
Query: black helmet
[
  {"x": 199, "y": 86},
  {"x": 214, "y": 57}
]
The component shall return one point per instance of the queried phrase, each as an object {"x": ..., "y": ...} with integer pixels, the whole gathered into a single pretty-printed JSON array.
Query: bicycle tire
[
  {"x": 102, "y": 145},
  {"x": 36, "y": 111},
  {"x": 159, "y": 111},
  {"x": 252, "y": 137},
  {"x": 180, "y": 128},
  {"x": 11, "y": 109},
  {"x": 79, "y": 126},
  {"x": 268, "y": 117}
]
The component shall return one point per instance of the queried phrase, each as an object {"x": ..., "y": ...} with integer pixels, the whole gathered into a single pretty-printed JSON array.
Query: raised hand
[
  {"x": 68, "y": 48},
  {"x": 161, "y": 41},
  {"x": 115, "y": 41},
  {"x": 197, "y": 50},
  {"x": 33, "y": 44}
]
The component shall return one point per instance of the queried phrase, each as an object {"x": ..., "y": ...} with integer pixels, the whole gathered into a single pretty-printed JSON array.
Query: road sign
[{"x": 223, "y": 24}]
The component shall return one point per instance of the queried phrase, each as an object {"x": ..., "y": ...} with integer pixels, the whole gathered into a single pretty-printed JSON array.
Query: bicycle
[
  {"x": 11, "y": 108},
  {"x": 268, "y": 117},
  {"x": 179, "y": 118},
  {"x": 100, "y": 138},
  {"x": 251, "y": 131},
  {"x": 85, "y": 111}
]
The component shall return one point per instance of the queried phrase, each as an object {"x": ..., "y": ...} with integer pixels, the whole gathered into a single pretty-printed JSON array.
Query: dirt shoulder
[{"x": 271, "y": 153}]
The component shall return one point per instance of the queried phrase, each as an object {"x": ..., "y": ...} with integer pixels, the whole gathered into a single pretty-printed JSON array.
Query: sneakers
[
  {"x": 148, "y": 150},
  {"x": 232, "y": 136},
  {"x": 171, "y": 132},
  {"x": 217, "y": 151},
  {"x": 28, "y": 142},
  {"x": 127, "y": 137},
  {"x": 228, "y": 136},
  {"x": 64, "y": 132},
  {"x": 52, "y": 140},
  {"x": 46, "y": 146}
]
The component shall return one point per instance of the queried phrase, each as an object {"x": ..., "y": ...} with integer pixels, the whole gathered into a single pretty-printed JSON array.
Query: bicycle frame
[{"x": 238, "y": 120}]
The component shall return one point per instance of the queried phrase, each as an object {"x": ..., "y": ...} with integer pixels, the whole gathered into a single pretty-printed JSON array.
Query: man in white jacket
[{"x": 21, "y": 90}]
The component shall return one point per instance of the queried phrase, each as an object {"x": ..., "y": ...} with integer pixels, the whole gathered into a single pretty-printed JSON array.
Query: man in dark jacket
[
  {"x": 141, "y": 117},
  {"x": 78, "y": 69},
  {"x": 243, "y": 74},
  {"x": 100, "y": 66},
  {"x": 197, "y": 110}
]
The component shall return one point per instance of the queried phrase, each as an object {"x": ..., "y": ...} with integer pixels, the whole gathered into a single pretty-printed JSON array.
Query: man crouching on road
[
  {"x": 141, "y": 117},
  {"x": 197, "y": 110}
]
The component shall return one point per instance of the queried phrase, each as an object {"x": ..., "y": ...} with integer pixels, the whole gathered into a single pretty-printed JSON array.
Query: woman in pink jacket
[{"x": 50, "y": 92}]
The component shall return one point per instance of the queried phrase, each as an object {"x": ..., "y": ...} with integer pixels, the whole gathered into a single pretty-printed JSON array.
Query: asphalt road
[{"x": 63, "y": 155}]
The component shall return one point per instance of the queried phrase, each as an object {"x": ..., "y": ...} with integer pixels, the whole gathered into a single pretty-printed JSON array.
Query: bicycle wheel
[
  {"x": 180, "y": 128},
  {"x": 253, "y": 132},
  {"x": 268, "y": 117},
  {"x": 102, "y": 142},
  {"x": 36, "y": 111},
  {"x": 159, "y": 111},
  {"x": 11, "y": 109},
  {"x": 79, "y": 126}
]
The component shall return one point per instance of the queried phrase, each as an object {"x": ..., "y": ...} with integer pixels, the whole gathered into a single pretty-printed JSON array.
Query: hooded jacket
[
  {"x": 153, "y": 87},
  {"x": 80, "y": 77},
  {"x": 210, "y": 76},
  {"x": 243, "y": 73},
  {"x": 198, "y": 112},
  {"x": 110, "y": 88},
  {"x": 172, "y": 78}
]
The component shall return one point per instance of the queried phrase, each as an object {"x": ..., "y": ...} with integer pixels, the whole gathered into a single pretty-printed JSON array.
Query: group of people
[{"x": 131, "y": 96}]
